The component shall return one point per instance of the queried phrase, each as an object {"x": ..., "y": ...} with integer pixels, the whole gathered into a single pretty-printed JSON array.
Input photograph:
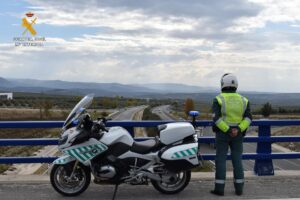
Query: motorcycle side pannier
[{"x": 180, "y": 157}]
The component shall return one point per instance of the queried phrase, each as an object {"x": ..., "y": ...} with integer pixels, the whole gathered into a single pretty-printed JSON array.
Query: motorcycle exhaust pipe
[{"x": 152, "y": 176}]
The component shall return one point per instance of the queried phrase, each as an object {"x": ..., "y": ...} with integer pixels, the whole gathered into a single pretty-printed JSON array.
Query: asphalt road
[
  {"x": 282, "y": 164},
  {"x": 128, "y": 113},
  {"x": 163, "y": 112},
  {"x": 257, "y": 188}
]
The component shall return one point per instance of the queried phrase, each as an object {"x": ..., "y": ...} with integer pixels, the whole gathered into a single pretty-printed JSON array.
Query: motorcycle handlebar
[{"x": 101, "y": 124}]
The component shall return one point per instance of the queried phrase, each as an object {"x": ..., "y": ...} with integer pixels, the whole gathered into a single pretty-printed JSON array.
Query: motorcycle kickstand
[{"x": 115, "y": 191}]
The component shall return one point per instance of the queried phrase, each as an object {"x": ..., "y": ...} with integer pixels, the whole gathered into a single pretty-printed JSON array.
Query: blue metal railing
[{"x": 263, "y": 156}]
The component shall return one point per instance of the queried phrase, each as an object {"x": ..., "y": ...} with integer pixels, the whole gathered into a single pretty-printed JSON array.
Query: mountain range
[
  {"x": 153, "y": 90},
  {"x": 99, "y": 89}
]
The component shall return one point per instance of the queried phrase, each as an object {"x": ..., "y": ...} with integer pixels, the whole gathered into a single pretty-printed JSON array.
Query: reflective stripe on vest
[{"x": 233, "y": 107}]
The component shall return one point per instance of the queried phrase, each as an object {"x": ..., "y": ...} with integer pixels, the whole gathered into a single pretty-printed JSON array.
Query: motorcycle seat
[{"x": 144, "y": 147}]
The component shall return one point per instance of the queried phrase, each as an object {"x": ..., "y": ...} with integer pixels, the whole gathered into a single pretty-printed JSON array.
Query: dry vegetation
[{"x": 31, "y": 114}]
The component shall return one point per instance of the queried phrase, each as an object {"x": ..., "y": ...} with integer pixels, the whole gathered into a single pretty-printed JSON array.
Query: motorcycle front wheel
[
  {"x": 172, "y": 183},
  {"x": 66, "y": 185}
]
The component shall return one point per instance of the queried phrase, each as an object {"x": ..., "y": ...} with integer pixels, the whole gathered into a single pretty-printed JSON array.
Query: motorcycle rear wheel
[
  {"x": 63, "y": 184},
  {"x": 177, "y": 183}
]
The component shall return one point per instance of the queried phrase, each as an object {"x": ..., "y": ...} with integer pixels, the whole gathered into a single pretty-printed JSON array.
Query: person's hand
[{"x": 234, "y": 132}]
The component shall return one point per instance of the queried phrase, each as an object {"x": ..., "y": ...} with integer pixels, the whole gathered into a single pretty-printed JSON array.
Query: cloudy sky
[{"x": 155, "y": 41}]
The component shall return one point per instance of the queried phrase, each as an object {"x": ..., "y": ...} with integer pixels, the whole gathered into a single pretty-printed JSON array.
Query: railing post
[{"x": 264, "y": 167}]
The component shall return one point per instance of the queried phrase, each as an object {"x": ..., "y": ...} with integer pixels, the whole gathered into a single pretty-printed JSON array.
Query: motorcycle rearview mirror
[{"x": 103, "y": 119}]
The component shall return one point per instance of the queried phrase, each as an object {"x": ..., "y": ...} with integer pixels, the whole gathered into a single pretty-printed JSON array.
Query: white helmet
[{"x": 229, "y": 80}]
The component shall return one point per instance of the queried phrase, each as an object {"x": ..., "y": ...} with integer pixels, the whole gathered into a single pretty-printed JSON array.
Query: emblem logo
[
  {"x": 28, "y": 22},
  {"x": 28, "y": 25}
]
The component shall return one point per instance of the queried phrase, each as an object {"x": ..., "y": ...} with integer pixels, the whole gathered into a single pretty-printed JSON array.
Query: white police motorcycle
[{"x": 112, "y": 156}]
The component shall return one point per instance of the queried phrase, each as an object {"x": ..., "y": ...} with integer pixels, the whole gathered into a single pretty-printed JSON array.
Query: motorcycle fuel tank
[
  {"x": 174, "y": 132},
  {"x": 117, "y": 134}
]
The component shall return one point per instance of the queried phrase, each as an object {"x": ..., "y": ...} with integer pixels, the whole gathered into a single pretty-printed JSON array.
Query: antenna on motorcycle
[{"x": 193, "y": 114}]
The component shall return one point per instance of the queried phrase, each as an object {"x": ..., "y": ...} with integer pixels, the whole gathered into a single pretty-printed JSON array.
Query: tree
[
  {"x": 38, "y": 105},
  {"x": 77, "y": 98},
  {"x": 282, "y": 110},
  {"x": 47, "y": 105},
  {"x": 175, "y": 105},
  {"x": 131, "y": 102},
  {"x": 105, "y": 101},
  {"x": 117, "y": 100},
  {"x": 266, "y": 110},
  {"x": 44, "y": 107},
  {"x": 188, "y": 106}
]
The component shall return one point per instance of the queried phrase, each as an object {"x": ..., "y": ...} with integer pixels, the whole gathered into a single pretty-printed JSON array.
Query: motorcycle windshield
[{"x": 84, "y": 103}]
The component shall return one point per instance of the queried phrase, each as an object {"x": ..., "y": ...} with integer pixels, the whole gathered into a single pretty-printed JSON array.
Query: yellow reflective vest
[{"x": 233, "y": 107}]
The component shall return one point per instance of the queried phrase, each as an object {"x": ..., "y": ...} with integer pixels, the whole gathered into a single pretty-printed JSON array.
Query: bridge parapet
[{"x": 263, "y": 156}]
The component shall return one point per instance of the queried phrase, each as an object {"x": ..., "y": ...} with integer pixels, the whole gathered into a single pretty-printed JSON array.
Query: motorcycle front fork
[{"x": 73, "y": 171}]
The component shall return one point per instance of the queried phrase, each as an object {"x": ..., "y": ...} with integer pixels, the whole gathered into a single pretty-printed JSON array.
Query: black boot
[
  {"x": 216, "y": 192},
  {"x": 239, "y": 193}
]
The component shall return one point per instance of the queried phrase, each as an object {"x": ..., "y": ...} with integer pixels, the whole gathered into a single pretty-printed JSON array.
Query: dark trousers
[{"x": 223, "y": 141}]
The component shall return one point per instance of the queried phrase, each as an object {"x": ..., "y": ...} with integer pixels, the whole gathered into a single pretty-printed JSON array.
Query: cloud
[
  {"x": 188, "y": 9},
  {"x": 167, "y": 15},
  {"x": 192, "y": 42},
  {"x": 274, "y": 11}
]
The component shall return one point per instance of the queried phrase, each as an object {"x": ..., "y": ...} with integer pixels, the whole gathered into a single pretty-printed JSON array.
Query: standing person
[{"x": 232, "y": 117}]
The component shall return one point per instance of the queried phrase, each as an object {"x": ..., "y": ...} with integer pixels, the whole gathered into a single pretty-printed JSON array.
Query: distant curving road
[
  {"x": 127, "y": 113},
  {"x": 163, "y": 112}
]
